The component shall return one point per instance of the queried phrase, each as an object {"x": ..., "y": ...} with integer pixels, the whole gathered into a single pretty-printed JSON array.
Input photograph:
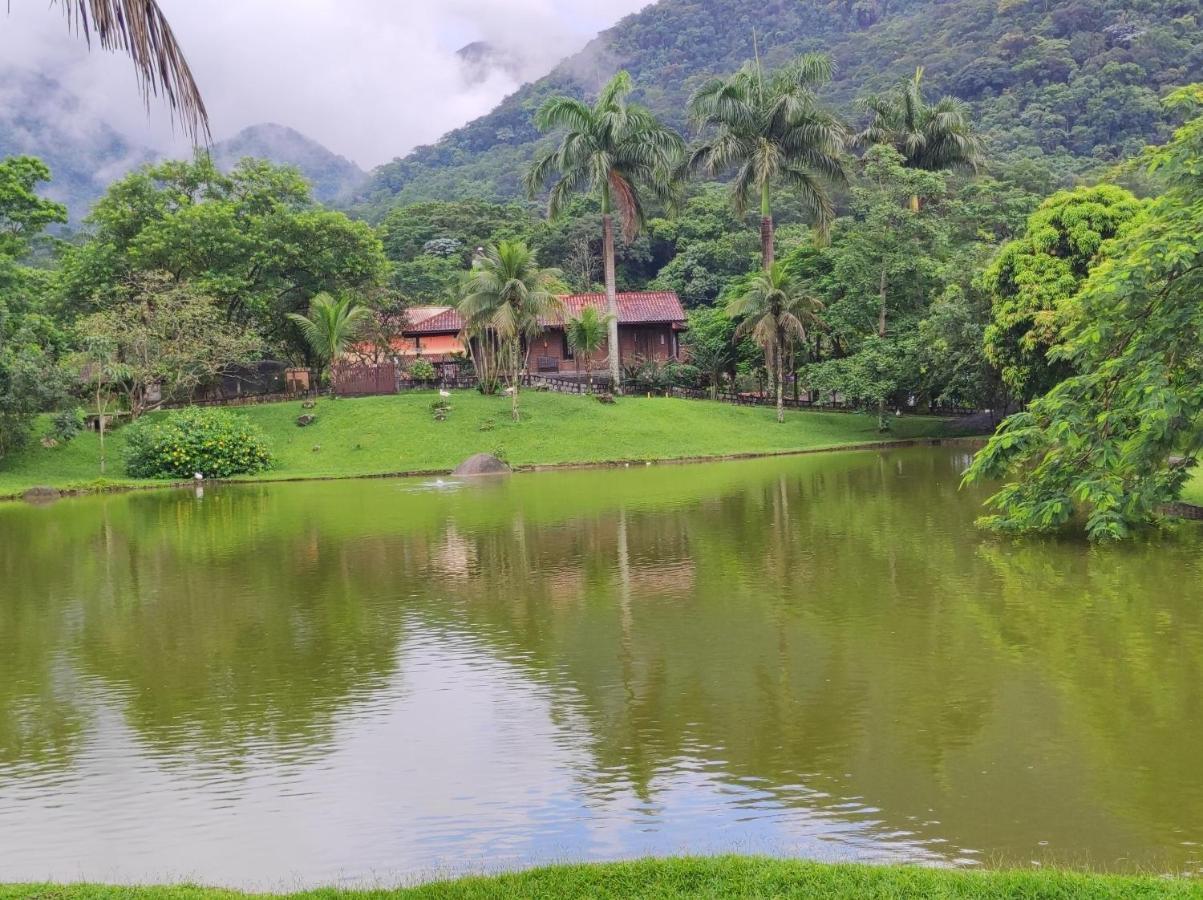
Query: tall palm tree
[
  {"x": 585, "y": 334},
  {"x": 770, "y": 129},
  {"x": 507, "y": 295},
  {"x": 932, "y": 137},
  {"x": 330, "y": 328},
  {"x": 139, "y": 29},
  {"x": 616, "y": 151},
  {"x": 775, "y": 312}
]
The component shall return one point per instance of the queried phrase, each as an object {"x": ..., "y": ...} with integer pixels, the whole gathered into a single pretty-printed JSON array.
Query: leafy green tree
[
  {"x": 251, "y": 239},
  {"x": 23, "y": 213},
  {"x": 881, "y": 272},
  {"x": 617, "y": 151},
  {"x": 504, "y": 299},
  {"x": 776, "y": 313},
  {"x": 586, "y": 333},
  {"x": 30, "y": 342},
  {"x": 169, "y": 339},
  {"x": 99, "y": 369},
  {"x": 330, "y": 328},
  {"x": 1111, "y": 445},
  {"x": 1035, "y": 279},
  {"x": 770, "y": 130},
  {"x": 407, "y": 230},
  {"x": 937, "y": 137}
]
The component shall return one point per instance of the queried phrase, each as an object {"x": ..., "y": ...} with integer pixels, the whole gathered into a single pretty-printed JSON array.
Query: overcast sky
[{"x": 370, "y": 79}]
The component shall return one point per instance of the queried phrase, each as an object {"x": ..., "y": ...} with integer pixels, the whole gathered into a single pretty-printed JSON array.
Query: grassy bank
[
  {"x": 1193, "y": 492},
  {"x": 714, "y": 877},
  {"x": 386, "y": 435}
]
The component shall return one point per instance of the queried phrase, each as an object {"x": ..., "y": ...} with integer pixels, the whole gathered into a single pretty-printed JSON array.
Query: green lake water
[{"x": 373, "y": 681}]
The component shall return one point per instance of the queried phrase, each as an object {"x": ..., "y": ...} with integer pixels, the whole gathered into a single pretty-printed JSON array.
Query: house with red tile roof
[{"x": 649, "y": 328}]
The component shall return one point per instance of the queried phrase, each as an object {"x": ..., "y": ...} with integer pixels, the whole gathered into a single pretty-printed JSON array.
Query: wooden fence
[{"x": 365, "y": 379}]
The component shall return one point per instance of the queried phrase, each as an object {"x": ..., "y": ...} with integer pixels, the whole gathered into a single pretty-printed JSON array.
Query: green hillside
[{"x": 1070, "y": 84}]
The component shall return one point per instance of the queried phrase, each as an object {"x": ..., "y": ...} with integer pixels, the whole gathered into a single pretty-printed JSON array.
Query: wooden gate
[{"x": 364, "y": 379}]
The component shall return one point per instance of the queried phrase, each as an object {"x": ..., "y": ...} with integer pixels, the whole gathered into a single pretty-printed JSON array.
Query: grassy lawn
[
  {"x": 387, "y": 435},
  {"x": 729, "y": 876},
  {"x": 1193, "y": 492}
]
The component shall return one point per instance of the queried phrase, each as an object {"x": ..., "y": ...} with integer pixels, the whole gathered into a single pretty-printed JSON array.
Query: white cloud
[{"x": 370, "y": 79}]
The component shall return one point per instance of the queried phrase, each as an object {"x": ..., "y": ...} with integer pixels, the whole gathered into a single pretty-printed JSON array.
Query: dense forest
[{"x": 1065, "y": 86}]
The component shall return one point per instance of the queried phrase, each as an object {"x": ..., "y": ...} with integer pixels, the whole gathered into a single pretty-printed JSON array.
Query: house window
[
  {"x": 566, "y": 346},
  {"x": 663, "y": 340}
]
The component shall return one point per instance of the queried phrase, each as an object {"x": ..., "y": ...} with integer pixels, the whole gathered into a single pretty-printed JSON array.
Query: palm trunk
[
  {"x": 767, "y": 248},
  {"x": 780, "y": 378},
  {"x": 515, "y": 363},
  {"x": 882, "y": 423},
  {"x": 100, "y": 426},
  {"x": 611, "y": 300}
]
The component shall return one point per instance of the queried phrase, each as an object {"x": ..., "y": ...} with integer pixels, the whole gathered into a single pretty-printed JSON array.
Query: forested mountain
[
  {"x": 1072, "y": 84},
  {"x": 40, "y": 117},
  {"x": 331, "y": 176}
]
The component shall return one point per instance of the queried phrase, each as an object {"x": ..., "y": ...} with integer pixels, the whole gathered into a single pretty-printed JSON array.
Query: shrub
[
  {"x": 215, "y": 442},
  {"x": 422, "y": 370},
  {"x": 66, "y": 424},
  {"x": 683, "y": 375}
]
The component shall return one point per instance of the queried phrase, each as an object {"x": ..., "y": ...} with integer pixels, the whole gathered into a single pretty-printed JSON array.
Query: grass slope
[
  {"x": 1193, "y": 492},
  {"x": 384, "y": 435},
  {"x": 729, "y": 876}
]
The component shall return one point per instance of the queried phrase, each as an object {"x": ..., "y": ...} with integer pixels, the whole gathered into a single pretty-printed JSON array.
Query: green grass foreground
[
  {"x": 727, "y": 876},
  {"x": 398, "y": 434}
]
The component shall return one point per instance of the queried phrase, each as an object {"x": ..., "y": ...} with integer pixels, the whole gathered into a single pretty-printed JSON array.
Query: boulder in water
[{"x": 482, "y": 464}]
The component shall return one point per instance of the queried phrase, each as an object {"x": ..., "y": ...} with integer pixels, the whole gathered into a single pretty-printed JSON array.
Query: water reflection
[{"x": 816, "y": 656}]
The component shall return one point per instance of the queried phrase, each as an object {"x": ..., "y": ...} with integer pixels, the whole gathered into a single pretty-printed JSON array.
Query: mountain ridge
[
  {"x": 1072, "y": 84},
  {"x": 39, "y": 117}
]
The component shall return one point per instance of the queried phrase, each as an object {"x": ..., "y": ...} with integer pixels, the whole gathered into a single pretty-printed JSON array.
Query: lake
[{"x": 374, "y": 681}]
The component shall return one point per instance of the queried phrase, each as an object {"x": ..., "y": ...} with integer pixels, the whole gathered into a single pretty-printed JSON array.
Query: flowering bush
[{"x": 215, "y": 442}]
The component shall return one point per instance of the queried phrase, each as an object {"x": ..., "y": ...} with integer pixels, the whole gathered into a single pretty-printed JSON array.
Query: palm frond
[{"x": 140, "y": 30}]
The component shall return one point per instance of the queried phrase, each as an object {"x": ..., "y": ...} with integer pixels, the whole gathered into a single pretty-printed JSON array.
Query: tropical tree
[
  {"x": 169, "y": 338},
  {"x": 616, "y": 151},
  {"x": 586, "y": 333},
  {"x": 503, "y": 301},
  {"x": 938, "y": 137},
  {"x": 139, "y": 29},
  {"x": 770, "y": 130},
  {"x": 1033, "y": 282},
  {"x": 330, "y": 328},
  {"x": 99, "y": 368},
  {"x": 1114, "y": 443},
  {"x": 775, "y": 312}
]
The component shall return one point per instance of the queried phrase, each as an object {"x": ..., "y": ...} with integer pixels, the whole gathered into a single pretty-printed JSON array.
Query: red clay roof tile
[{"x": 634, "y": 308}]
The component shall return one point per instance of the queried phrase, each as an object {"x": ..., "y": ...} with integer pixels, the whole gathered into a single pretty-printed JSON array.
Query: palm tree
[
  {"x": 770, "y": 130},
  {"x": 714, "y": 360},
  {"x": 616, "y": 151},
  {"x": 504, "y": 300},
  {"x": 933, "y": 138},
  {"x": 330, "y": 328},
  {"x": 775, "y": 312},
  {"x": 585, "y": 336},
  {"x": 139, "y": 29}
]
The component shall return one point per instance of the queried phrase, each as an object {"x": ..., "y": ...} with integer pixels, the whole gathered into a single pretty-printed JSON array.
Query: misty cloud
[{"x": 370, "y": 79}]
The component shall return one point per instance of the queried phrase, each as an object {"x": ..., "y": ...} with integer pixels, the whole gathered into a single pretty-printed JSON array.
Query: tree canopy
[{"x": 1111, "y": 445}]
